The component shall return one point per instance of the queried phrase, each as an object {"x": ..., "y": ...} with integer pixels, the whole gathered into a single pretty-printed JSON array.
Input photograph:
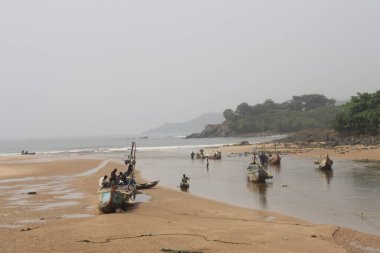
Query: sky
[{"x": 89, "y": 67}]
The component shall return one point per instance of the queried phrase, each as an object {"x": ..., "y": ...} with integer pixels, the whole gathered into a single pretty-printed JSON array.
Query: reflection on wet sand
[
  {"x": 327, "y": 174},
  {"x": 261, "y": 190},
  {"x": 276, "y": 168}
]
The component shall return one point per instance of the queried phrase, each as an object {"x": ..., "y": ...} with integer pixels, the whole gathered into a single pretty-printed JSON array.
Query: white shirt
[{"x": 101, "y": 181}]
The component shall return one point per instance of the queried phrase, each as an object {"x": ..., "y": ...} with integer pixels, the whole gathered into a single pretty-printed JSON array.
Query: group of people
[
  {"x": 120, "y": 179},
  {"x": 263, "y": 159},
  {"x": 201, "y": 154}
]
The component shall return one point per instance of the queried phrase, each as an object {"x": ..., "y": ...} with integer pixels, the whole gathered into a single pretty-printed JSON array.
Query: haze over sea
[{"x": 116, "y": 143}]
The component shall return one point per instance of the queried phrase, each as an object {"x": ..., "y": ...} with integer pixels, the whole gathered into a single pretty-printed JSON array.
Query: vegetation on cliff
[
  {"x": 359, "y": 116},
  {"x": 302, "y": 112}
]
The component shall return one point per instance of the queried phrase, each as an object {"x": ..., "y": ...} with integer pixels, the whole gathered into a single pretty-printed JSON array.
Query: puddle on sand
[
  {"x": 142, "y": 198},
  {"x": 58, "y": 192},
  {"x": 10, "y": 226},
  {"x": 24, "y": 179},
  {"x": 54, "y": 205},
  {"x": 32, "y": 221},
  {"x": 89, "y": 208},
  {"x": 269, "y": 218},
  {"x": 77, "y": 216},
  {"x": 77, "y": 195}
]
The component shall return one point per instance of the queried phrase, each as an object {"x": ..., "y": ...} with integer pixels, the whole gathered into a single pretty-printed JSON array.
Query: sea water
[
  {"x": 113, "y": 144},
  {"x": 348, "y": 195}
]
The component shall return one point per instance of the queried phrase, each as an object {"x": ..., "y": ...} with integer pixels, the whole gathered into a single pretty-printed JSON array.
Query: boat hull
[
  {"x": 257, "y": 174},
  {"x": 325, "y": 163},
  {"x": 276, "y": 160},
  {"x": 146, "y": 185},
  {"x": 184, "y": 186},
  {"x": 111, "y": 200}
]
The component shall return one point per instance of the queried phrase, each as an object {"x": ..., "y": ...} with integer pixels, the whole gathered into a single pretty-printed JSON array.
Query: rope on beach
[{"x": 166, "y": 234}]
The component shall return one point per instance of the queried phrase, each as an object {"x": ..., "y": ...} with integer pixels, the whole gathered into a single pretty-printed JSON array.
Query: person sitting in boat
[
  {"x": 103, "y": 183},
  {"x": 113, "y": 179},
  {"x": 118, "y": 178},
  {"x": 123, "y": 178},
  {"x": 185, "y": 179}
]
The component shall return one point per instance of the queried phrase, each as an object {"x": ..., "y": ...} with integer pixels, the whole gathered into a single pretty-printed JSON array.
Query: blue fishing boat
[{"x": 112, "y": 199}]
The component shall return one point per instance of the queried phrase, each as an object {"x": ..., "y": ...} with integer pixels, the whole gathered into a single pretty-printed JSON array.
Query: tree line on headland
[{"x": 360, "y": 116}]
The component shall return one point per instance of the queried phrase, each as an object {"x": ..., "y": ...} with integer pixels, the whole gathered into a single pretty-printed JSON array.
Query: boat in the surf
[
  {"x": 23, "y": 152},
  {"x": 184, "y": 186},
  {"x": 256, "y": 173},
  {"x": 146, "y": 185}
]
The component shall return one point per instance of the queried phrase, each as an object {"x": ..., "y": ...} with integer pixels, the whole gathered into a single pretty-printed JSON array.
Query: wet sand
[{"x": 62, "y": 217}]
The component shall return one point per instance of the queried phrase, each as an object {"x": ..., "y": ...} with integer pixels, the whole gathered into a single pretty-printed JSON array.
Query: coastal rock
[{"x": 214, "y": 130}]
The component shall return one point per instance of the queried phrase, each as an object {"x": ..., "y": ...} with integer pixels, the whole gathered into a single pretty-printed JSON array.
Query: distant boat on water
[{"x": 23, "y": 152}]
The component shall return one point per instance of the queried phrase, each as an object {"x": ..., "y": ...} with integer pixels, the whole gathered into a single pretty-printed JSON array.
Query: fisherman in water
[{"x": 185, "y": 179}]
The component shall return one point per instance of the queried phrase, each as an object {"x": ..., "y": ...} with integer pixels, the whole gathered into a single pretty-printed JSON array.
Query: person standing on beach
[{"x": 207, "y": 164}]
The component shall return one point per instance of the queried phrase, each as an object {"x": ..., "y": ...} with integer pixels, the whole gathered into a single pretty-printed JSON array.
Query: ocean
[{"x": 109, "y": 144}]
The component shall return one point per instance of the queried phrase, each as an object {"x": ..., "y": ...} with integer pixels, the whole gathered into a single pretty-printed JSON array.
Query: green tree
[{"x": 360, "y": 116}]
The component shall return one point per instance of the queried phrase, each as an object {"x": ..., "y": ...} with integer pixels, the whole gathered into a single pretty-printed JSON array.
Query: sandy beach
[
  {"x": 63, "y": 217},
  {"x": 355, "y": 152}
]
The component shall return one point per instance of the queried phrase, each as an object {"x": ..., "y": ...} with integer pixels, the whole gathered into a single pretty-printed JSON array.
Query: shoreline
[
  {"x": 169, "y": 220},
  {"x": 347, "y": 152}
]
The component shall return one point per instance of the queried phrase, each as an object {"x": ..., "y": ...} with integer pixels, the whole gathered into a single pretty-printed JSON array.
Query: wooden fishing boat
[
  {"x": 27, "y": 152},
  {"x": 275, "y": 160},
  {"x": 216, "y": 156},
  {"x": 184, "y": 186},
  {"x": 257, "y": 173},
  {"x": 325, "y": 163},
  {"x": 112, "y": 199},
  {"x": 146, "y": 185}
]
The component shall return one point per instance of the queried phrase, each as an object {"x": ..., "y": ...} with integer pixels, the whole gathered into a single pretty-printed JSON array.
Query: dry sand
[{"x": 169, "y": 220}]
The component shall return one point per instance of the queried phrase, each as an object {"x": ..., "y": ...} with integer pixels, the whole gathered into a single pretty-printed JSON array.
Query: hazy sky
[{"x": 92, "y": 67}]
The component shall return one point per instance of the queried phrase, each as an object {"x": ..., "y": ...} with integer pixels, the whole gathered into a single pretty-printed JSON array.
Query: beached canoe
[
  {"x": 257, "y": 173},
  {"x": 112, "y": 199},
  {"x": 146, "y": 185}
]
